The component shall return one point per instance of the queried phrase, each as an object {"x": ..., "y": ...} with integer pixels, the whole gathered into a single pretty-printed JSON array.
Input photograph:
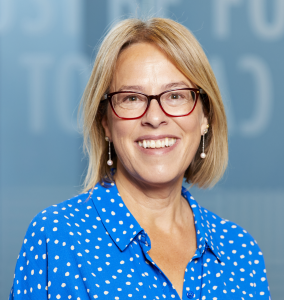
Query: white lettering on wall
[
  {"x": 70, "y": 66},
  {"x": 263, "y": 88},
  {"x": 222, "y": 17},
  {"x": 37, "y": 66},
  {"x": 44, "y": 17},
  {"x": 218, "y": 67},
  {"x": 261, "y": 27}
]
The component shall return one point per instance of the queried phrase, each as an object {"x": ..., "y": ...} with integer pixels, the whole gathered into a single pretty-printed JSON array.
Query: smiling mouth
[{"x": 162, "y": 143}]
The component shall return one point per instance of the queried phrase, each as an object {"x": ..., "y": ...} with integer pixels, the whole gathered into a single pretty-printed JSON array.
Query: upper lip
[{"x": 155, "y": 137}]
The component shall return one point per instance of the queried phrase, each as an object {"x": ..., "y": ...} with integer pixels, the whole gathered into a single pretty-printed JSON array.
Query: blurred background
[{"x": 46, "y": 54}]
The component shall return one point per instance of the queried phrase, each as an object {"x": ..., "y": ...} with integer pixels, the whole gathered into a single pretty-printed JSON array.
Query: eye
[
  {"x": 132, "y": 98},
  {"x": 174, "y": 96}
]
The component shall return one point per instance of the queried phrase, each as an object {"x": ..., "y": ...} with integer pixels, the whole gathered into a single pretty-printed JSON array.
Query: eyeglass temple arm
[{"x": 205, "y": 99}]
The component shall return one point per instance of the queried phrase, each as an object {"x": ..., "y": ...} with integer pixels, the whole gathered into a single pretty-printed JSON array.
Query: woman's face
[{"x": 142, "y": 67}]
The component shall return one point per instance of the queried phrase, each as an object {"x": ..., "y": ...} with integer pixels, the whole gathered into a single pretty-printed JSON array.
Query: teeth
[
  {"x": 158, "y": 144},
  {"x": 167, "y": 142}
]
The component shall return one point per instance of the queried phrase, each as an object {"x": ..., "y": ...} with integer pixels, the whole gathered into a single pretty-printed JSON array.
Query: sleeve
[
  {"x": 259, "y": 274},
  {"x": 30, "y": 278}
]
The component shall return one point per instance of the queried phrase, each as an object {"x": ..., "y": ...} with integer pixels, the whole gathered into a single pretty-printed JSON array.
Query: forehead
[
  {"x": 143, "y": 53},
  {"x": 137, "y": 50},
  {"x": 145, "y": 63}
]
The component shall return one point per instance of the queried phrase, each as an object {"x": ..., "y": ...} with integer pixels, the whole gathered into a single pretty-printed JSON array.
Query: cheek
[
  {"x": 122, "y": 131},
  {"x": 193, "y": 122},
  {"x": 119, "y": 131},
  {"x": 118, "y": 128},
  {"x": 190, "y": 124}
]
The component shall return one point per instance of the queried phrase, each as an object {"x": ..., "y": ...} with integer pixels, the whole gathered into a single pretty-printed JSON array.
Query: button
[{"x": 190, "y": 294}]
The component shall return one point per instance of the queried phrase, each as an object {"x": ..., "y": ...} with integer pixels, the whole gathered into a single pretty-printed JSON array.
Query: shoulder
[
  {"x": 228, "y": 240},
  {"x": 53, "y": 218},
  {"x": 52, "y": 235},
  {"x": 231, "y": 237},
  {"x": 237, "y": 249}
]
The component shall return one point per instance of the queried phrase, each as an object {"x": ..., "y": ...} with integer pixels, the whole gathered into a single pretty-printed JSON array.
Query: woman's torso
[{"x": 96, "y": 249}]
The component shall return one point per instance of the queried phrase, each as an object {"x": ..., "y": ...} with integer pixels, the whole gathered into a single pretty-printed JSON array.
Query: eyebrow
[
  {"x": 175, "y": 84},
  {"x": 165, "y": 87},
  {"x": 131, "y": 88}
]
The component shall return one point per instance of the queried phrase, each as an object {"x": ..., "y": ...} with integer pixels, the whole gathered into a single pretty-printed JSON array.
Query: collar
[
  {"x": 205, "y": 230},
  {"x": 122, "y": 227},
  {"x": 118, "y": 221}
]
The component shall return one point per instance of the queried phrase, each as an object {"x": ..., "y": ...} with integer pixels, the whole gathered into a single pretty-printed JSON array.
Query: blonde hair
[{"x": 186, "y": 53}]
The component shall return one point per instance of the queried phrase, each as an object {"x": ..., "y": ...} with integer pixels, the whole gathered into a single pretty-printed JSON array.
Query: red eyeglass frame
[{"x": 151, "y": 97}]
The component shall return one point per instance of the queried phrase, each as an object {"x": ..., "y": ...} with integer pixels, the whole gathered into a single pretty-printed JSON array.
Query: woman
[{"x": 153, "y": 115}]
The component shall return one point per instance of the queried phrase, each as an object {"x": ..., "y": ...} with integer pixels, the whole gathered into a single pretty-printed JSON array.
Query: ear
[
  {"x": 204, "y": 124},
  {"x": 106, "y": 127}
]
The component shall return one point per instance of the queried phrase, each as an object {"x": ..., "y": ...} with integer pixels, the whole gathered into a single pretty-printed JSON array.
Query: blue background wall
[{"x": 47, "y": 50}]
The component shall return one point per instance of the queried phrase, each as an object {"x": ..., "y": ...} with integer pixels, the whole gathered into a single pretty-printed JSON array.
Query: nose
[{"x": 154, "y": 116}]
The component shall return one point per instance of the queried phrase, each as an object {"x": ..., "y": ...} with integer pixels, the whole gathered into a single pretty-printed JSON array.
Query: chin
[{"x": 156, "y": 176}]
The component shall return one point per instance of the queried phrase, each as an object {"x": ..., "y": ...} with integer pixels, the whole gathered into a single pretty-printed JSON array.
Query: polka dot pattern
[{"x": 91, "y": 247}]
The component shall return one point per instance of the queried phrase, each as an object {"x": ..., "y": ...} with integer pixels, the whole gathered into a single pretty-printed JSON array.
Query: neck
[{"x": 159, "y": 206}]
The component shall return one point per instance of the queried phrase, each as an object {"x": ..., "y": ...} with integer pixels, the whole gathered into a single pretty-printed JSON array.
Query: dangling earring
[
  {"x": 203, "y": 155},
  {"x": 109, "y": 162}
]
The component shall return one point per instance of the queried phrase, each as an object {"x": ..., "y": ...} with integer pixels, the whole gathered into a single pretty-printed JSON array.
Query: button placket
[{"x": 193, "y": 279}]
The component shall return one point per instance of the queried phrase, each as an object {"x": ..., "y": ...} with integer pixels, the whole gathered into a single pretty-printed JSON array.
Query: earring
[
  {"x": 203, "y": 154},
  {"x": 109, "y": 162}
]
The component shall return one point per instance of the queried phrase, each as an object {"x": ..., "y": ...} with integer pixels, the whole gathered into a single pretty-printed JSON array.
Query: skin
[{"x": 150, "y": 181}]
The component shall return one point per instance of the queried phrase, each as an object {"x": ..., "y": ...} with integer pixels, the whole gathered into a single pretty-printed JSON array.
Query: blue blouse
[{"x": 93, "y": 248}]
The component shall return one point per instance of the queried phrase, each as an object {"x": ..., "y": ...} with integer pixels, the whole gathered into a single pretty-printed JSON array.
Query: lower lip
[{"x": 157, "y": 151}]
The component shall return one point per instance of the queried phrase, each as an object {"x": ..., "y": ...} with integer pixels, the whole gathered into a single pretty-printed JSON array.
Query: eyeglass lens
[{"x": 133, "y": 105}]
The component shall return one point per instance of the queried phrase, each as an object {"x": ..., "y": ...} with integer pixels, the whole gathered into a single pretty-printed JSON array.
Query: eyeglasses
[{"x": 174, "y": 103}]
